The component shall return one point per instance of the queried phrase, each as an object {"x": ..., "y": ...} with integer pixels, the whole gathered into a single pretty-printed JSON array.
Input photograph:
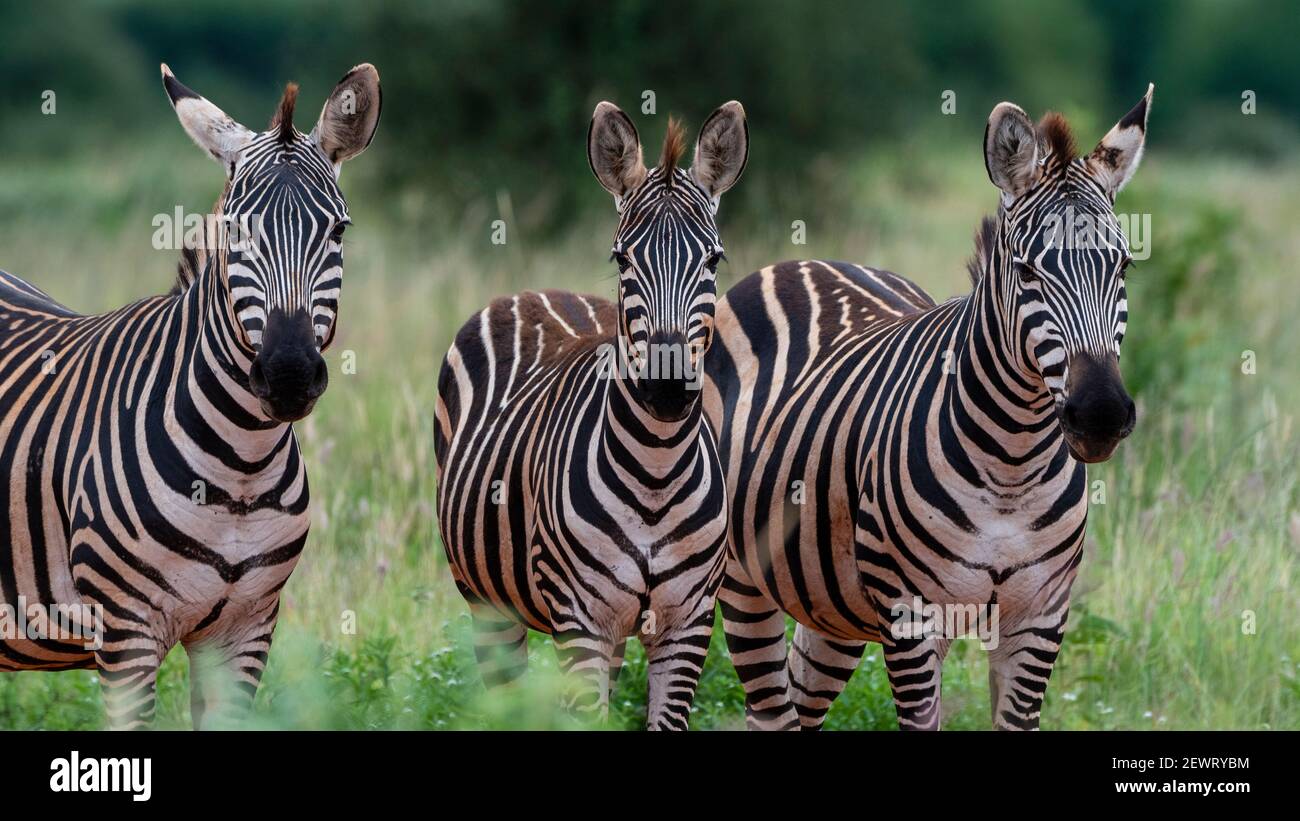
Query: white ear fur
[
  {"x": 210, "y": 127},
  {"x": 1116, "y": 157}
]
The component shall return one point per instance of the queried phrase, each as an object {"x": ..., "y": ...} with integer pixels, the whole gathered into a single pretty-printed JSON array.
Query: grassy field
[{"x": 1185, "y": 614}]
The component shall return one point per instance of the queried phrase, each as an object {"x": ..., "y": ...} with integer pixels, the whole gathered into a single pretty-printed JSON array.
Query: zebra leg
[
  {"x": 224, "y": 678},
  {"x": 198, "y": 702},
  {"x": 129, "y": 680},
  {"x": 500, "y": 646},
  {"x": 819, "y": 668},
  {"x": 205, "y": 668},
  {"x": 755, "y": 631},
  {"x": 675, "y": 662},
  {"x": 915, "y": 668},
  {"x": 1019, "y": 668},
  {"x": 585, "y": 661},
  {"x": 616, "y": 663}
]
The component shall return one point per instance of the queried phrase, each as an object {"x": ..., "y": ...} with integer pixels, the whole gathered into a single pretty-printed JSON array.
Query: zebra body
[
  {"x": 152, "y": 482},
  {"x": 566, "y": 508},
  {"x": 103, "y": 455},
  {"x": 578, "y": 495},
  {"x": 886, "y": 455}
]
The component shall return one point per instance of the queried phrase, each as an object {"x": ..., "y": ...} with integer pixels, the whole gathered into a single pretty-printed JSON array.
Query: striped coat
[
  {"x": 568, "y": 509},
  {"x": 151, "y": 486},
  {"x": 580, "y": 493},
  {"x": 907, "y": 472}
]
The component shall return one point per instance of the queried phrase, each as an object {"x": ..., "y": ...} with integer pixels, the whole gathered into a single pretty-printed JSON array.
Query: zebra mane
[
  {"x": 1055, "y": 130},
  {"x": 194, "y": 260},
  {"x": 283, "y": 119},
  {"x": 979, "y": 262},
  {"x": 674, "y": 147}
]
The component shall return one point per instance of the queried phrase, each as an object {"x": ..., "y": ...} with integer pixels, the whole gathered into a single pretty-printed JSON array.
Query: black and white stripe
[
  {"x": 578, "y": 495},
  {"x": 882, "y": 449},
  {"x": 143, "y": 469}
]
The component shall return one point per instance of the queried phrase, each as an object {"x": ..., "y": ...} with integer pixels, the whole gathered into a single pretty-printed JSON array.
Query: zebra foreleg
[
  {"x": 755, "y": 631},
  {"x": 915, "y": 668},
  {"x": 675, "y": 663},
  {"x": 616, "y": 663},
  {"x": 224, "y": 679},
  {"x": 500, "y": 646},
  {"x": 585, "y": 661},
  {"x": 819, "y": 668},
  {"x": 1019, "y": 668},
  {"x": 128, "y": 676}
]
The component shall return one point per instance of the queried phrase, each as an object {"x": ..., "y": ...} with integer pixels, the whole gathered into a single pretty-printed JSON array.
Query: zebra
[
  {"x": 887, "y": 456},
  {"x": 580, "y": 494},
  {"x": 149, "y": 473}
]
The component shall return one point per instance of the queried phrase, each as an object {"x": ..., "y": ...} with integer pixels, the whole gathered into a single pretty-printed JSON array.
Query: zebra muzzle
[
  {"x": 1099, "y": 413},
  {"x": 288, "y": 374},
  {"x": 670, "y": 379}
]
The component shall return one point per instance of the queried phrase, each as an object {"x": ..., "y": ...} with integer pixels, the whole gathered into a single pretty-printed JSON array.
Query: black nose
[
  {"x": 288, "y": 374},
  {"x": 280, "y": 374},
  {"x": 1100, "y": 411},
  {"x": 669, "y": 383}
]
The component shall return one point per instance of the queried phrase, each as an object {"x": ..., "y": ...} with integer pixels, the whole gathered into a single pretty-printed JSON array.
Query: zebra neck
[
  {"x": 658, "y": 449},
  {"x": 1004, "y": 415},
  {"x": 217, "y": 367}
]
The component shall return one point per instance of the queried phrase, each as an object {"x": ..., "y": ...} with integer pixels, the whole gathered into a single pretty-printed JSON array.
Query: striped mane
[
  {"x": 674, "y": 148},
  {"x": 979, "y": 262},
  {"x": 1056, "y": 133},
  {"x": 283, "y": 119}
]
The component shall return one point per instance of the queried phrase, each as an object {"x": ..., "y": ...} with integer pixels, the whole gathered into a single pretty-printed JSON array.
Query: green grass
[{"x": 1200, "y": 523}]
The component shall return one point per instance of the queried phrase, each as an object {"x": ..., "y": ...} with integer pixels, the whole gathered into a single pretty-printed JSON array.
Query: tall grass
[{"x": 1197, "y": 540}]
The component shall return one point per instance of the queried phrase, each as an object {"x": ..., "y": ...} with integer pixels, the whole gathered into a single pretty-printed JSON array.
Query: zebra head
[
  {"x": 1058, "y": 258},
  {"x": 281, "y": 230},
  {"x": 667, "y": 247}
]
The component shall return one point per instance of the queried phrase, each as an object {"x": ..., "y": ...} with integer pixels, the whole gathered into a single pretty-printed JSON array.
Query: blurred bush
[{"x": 483, "y": 95}]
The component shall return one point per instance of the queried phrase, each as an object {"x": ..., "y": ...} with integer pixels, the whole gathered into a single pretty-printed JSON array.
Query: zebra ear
[
  {"x": 614, "y": 151},
  {"x": 1011, "y": 150},
  {"x": 351, "y": 114},
  {"x": 1116, "y": 157},
  {"x": 722, "y": 149},
  {"x": 210, "y": 127}
]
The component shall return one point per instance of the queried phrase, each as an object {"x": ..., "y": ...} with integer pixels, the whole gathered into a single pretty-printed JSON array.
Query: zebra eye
[
  {"x": 337, "y": 234},
  {"x": 1124, "y": 266},
  {"x": 1025, "y": 272},
  {"x": 621, "y": 259},
  {"x": 712, "y": 262}
]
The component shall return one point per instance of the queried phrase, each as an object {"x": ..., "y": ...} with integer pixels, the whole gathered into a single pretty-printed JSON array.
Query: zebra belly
[
  {"x": 214, "y": 585},
  {"x": 43, "y": 621},
  {"x": 819, "y": 583},
  {"x": 849, "y": 564},
  {"x": 35, "y": 577},
  {"x": 230, "y": 567},
  {"x": 1008, "y": 567}
]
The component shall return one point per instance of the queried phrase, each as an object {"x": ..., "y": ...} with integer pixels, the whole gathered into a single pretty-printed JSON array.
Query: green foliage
[
  {"x": 491, "y": 96},
  {"x": 1195, "y": 275}
]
